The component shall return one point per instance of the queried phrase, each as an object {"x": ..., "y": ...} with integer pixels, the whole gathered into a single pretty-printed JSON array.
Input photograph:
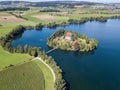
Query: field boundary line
[{"x": 52, "y": 71}]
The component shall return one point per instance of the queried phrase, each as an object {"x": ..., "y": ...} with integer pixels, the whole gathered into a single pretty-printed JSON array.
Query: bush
[
  {"x": 38, "y": 26},
  {"x": 0, "y": 25}
]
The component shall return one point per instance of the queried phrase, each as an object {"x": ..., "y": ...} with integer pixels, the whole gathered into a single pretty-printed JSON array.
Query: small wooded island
[{"x": 71, "y": 41}]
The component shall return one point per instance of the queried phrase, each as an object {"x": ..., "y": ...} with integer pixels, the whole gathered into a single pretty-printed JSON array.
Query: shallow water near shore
[{"x": 97, "y": 70}]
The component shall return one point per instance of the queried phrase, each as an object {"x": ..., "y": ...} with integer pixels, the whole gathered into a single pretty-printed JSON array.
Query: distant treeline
[
  {"x": 75, "y": 21},
  {"x": 100, "y": 19},
  {"x": 69, "y": 4},
  {"x": 49, "y": 10},
  {"x": 14, "y": 8},
  {"x": 50, "y": 25}
]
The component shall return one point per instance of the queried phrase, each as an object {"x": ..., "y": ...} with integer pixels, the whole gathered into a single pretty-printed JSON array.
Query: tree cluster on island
[{"x": 71, "y": 41}]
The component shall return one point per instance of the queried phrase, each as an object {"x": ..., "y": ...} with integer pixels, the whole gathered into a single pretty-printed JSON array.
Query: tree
[
  {"x": 7, "y": 46},
  {"x": 34, "y": 52},
  {"x": 39, "y": 26},
  {"x": 29, "y": 50},
  {"x": 60, "y": 84},
  {"x": 19, "y": 49},
  {"x": 26, "y": 49}
]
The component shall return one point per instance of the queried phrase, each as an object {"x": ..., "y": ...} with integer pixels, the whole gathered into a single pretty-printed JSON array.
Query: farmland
[
  {"x": 26, "y": 77},
  {"x": 19, "y": 71},
  {"x": 7, "y": 58},
  {"x": 9, "y": 21},
  {"x": 32, "y": 75}
]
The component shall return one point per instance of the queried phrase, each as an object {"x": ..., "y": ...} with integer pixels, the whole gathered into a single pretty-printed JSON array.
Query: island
[{"x": 71, "y": 41}]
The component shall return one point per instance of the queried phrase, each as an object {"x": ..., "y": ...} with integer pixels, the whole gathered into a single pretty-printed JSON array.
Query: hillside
[
  {"x": 26, "y": 77},
  {"x": 32, "y": 75}
]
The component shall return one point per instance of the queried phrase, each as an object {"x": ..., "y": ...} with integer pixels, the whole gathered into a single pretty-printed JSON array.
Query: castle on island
[
  {"x": 68, "y": 36},
  {"x": 71, "y": 41}
]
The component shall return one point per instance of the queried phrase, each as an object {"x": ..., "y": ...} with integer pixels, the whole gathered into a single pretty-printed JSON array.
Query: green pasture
[
  {"x": 7, "y": 58},
  {"x": 27, "y": 76}
]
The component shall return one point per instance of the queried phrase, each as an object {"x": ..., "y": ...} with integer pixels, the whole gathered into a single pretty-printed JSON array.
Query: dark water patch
[{"x": 97, "y": 70}]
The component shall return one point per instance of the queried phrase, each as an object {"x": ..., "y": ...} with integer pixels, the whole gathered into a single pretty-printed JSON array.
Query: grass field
[
  {"x": 6, "y": 58},
  {"x": 32, "y": 17},
  {"x": 27, "y": 76},
  {"x": 33, "y": 75},
  {"x": 6, "y": 25},
  {"x": 49, "y": 83}
]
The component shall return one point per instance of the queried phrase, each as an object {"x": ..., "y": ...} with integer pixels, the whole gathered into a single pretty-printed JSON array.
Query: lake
[{"x": 97, "y": 70}]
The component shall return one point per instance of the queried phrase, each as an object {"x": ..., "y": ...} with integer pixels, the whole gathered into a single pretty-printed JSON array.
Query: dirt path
[{"x": 53, "y": 73}]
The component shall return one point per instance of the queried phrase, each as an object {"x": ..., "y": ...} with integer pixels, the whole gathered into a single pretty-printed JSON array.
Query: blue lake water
[{"x": 98, "y": 70}]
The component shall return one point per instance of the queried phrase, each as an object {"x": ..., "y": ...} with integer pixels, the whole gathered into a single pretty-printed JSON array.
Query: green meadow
[
  {"x": 49, "y": 83},
  {"x": 27, "y": 76},
  {"x": 7, "y": 58},
  {"x": 24, "y": 70}
]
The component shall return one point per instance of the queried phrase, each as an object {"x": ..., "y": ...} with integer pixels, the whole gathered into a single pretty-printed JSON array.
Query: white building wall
[{"x": 68, "y": 38}]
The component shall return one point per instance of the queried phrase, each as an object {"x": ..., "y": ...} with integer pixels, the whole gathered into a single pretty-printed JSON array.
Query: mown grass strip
[{"x": 49, "y": 83}]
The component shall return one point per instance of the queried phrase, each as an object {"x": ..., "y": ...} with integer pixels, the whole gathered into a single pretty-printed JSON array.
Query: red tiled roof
[{"x": 69, "y": 34}]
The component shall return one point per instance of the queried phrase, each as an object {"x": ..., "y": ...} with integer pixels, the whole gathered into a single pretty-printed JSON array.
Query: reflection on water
[{"x": 95, "y": 70}]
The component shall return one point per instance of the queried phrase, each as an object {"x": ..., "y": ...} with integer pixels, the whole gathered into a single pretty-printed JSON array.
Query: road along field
[
  {"x": 48, "y": 76},
  {"x": 33, "y": 75}
]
